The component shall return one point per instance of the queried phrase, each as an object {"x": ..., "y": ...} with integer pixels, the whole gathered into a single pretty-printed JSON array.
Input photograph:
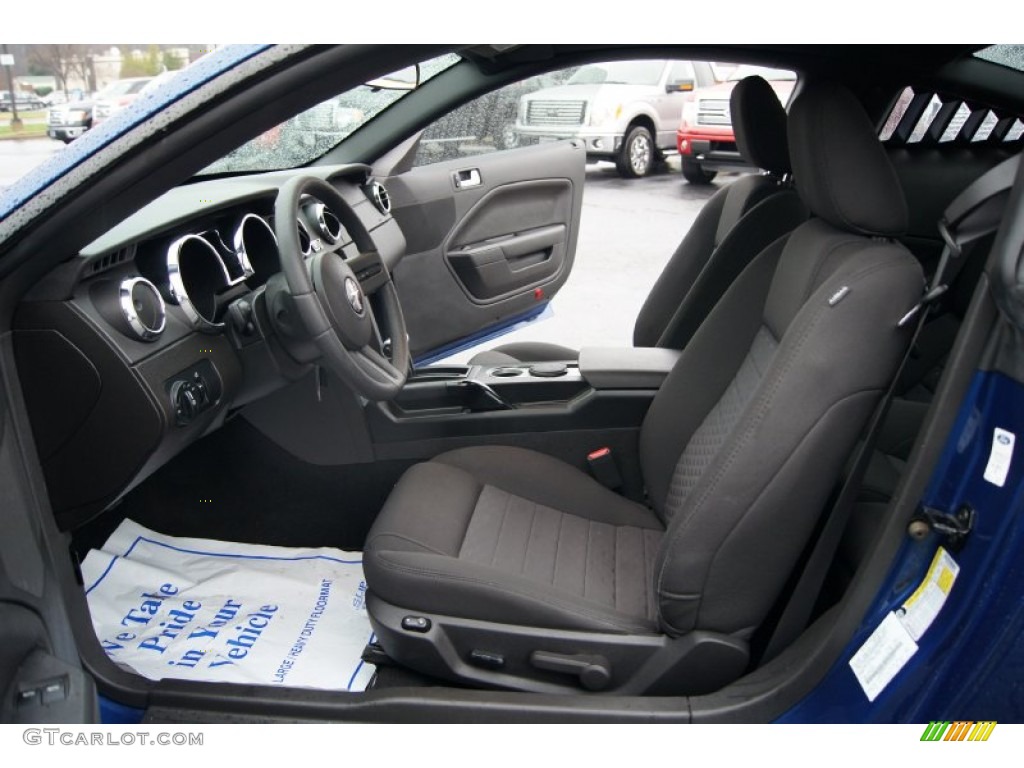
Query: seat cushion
[{"x": 516, "y": 537}]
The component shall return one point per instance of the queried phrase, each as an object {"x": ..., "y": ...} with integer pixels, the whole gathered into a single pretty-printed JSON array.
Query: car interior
[{"x": 546, "y": 533}]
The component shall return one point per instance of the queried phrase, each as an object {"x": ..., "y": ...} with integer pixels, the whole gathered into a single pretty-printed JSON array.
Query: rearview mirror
[{"x": 407, "y": 79}]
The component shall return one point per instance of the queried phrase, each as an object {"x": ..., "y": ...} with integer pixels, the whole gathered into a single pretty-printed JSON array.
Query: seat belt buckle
[{"x": 604, "y": 469}]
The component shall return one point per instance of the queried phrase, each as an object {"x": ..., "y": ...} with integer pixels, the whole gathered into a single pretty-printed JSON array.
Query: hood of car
[
  {"x": 783, "y": 89},
  {"x": 591, "y": 92},
  {"x": 85, "y": 104}
]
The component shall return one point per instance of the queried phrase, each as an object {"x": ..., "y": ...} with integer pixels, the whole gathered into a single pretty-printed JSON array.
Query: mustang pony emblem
[{"x": 354, "y": 295}]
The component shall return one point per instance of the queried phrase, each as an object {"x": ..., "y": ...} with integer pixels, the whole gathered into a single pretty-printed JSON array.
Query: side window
[{"x": 486, "y": 124}]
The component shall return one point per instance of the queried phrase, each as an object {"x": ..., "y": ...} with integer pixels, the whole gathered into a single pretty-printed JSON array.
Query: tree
[
  {"x": 143, "y": 64},
  {"x": 62, "y": 60},
  {"x": 172, "y": 62}
]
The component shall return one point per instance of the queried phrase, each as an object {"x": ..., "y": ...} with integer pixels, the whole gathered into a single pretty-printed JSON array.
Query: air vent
[
  {"x": 142, "y": 307},
  {"x": 380, "y": 197},
  {"x": 111, "y": 260},
  {"x": 328, "y": 224}
]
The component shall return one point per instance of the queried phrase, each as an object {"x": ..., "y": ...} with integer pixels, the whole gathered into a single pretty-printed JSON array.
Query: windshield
[
  {"x": 619, "y": 72},
  {"x": 768, "y": 73},
  {"x": 319, "y": 129}
]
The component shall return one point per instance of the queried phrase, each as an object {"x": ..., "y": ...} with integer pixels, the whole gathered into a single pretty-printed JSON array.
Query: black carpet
[{"x": 236, "y": 485}]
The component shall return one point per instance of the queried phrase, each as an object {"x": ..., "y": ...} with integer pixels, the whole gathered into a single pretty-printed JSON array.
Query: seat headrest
[
  {"x": 842, "y": 172},
  {"x": 759, "y": 122}
]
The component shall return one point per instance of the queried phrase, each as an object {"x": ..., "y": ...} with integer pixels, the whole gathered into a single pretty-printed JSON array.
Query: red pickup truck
[{"x": 705, "y": 138}]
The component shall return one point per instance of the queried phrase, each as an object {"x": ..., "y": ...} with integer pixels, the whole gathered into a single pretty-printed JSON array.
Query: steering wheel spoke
[
  {"x": 346, "y": 326},
  {"x": 375, "y": 364}
]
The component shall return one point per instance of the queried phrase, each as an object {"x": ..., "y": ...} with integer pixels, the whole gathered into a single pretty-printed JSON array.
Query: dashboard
[{"x": 150, "y": 336}]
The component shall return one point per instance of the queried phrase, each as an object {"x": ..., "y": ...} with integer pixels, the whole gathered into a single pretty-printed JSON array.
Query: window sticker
[
  {"x": 998, "y": 467},
  {"x": 882, "y": 656},
  {"x": 921, "y": 608}
]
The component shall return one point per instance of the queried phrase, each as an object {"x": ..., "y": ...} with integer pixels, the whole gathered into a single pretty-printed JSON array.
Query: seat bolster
[
  {"x": 428, "y": 511},
  {"x": 546, "y": 480},
  {"x": 679, "y": 273},
  {"x": 448, "y": 586}
]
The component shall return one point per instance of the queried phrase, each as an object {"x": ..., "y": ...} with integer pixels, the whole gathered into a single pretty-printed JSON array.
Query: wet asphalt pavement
[{"x": 19, "y": 156}]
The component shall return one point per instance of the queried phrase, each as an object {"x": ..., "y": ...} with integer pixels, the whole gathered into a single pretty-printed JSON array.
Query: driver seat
[{"x": 505, "y": 567}]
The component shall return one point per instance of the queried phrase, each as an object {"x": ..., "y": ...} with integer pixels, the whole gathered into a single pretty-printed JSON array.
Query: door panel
[{"x": 491, "y": 239}]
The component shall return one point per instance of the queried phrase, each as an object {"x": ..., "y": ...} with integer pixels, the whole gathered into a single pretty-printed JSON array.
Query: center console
[
  {"x": 567, "y": 410},
  {"x": 608, "y": 388}
]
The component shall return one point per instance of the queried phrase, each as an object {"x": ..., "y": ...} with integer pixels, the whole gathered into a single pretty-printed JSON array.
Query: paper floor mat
[{"x": 198, "y": 609}]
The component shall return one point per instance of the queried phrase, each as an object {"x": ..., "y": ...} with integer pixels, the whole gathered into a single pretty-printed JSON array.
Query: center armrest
[{"x": 626, "y": 367}]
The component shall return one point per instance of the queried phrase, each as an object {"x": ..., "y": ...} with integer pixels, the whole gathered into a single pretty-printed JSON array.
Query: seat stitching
[
  {"x": 525, "y": 493},
  {"x": 412, "y": 541},
  {"x": 469, "y": 517},
  {"x": 558, "y": 548},
  {"x": 649, "y": 587},
  {"x": 586, "y": 557},
  {"x": 810, "y": 288},
  {"x": 501, "y": 528},
  {"x": 529, "y": 538},
  {"x": 615, "y": 564}
]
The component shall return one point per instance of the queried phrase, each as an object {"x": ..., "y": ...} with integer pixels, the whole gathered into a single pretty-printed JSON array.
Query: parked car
[
  {"x": 214, "y": 336},
  {"x": 117, "y": 96},
  {"x": 66, "y": 122},
  {"x": 624, "y": 111},
  {"x": 24, "y": 100},
  {"x": 489, "y": 121},
  {"x": 705, "y": 138}
]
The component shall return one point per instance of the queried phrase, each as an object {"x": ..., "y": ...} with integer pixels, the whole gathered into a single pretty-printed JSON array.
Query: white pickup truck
[{"x": 625, "y": 111}]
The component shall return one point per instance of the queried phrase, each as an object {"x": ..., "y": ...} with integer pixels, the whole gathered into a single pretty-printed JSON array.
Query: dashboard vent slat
[{"x": 111, "y": 260}]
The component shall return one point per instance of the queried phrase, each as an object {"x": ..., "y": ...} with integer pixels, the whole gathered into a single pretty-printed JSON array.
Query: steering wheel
[{"x": 332, "y": 306}]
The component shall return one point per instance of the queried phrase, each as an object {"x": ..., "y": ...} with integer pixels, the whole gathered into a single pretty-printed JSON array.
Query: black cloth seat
[
  {"x": 506, "y": 552},
  {"x": 734, "y": 226},
  {"x": 515, "y": 536}
]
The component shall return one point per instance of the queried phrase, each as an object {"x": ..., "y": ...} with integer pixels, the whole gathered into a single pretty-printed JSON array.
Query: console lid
[{"x": 626, "y": 367}]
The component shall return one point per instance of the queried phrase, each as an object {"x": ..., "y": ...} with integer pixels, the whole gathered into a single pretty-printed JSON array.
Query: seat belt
[{"x": 976, "y": 212}]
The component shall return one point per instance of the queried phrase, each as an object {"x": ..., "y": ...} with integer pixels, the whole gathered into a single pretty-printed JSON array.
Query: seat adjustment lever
[{"x": 594, "y": 672}]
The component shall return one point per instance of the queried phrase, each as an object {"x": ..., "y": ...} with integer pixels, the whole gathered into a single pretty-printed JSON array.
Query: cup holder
[{"x": 507, "y": 373}]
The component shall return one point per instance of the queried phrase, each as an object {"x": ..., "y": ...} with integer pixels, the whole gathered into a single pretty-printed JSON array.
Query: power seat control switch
[
  {"x": 486, "y": 659},
  {"x": 416, "y": 624}
]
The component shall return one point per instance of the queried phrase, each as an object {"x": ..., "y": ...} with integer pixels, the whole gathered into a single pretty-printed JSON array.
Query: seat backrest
[
  {"x": 749, "y": 433},
  {"x": 732, "y": 227}
]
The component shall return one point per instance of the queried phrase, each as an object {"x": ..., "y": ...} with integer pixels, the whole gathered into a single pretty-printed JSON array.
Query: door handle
[{"x": 467, "y": 178}]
